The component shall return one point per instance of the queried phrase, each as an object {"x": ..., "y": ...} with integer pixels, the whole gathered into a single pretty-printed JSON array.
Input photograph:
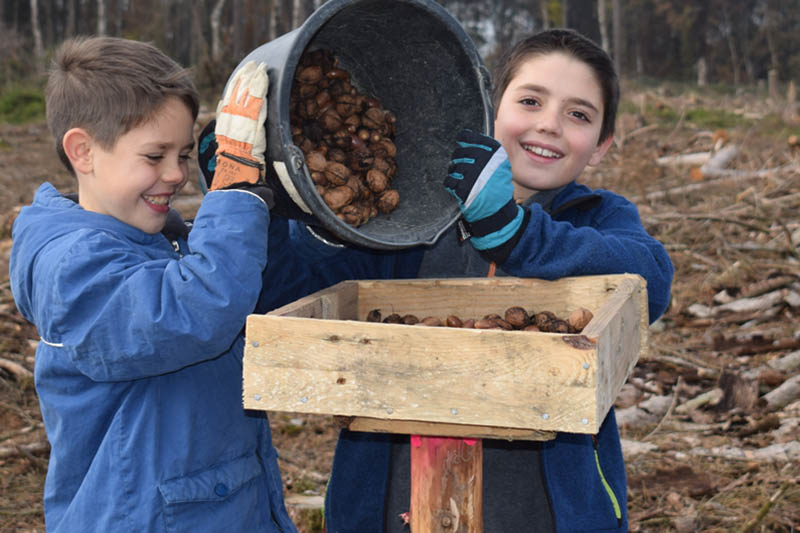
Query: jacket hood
[{"x": 51, "y": 216}]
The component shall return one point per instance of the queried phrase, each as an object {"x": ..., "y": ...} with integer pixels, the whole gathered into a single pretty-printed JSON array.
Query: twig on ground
[
  {"x": 766, "y": 508},
  {"x": 676, "y": 389}
]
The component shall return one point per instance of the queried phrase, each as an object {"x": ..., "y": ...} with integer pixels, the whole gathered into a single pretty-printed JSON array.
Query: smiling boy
[
  {"x": 138, "y": 370},
  {"x": 556, "y": 96}
]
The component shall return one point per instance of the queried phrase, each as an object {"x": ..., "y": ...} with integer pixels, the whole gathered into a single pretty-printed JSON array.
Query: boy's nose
[
  {"x": 175, "y": 173},
  {"x": 548, "y": 121}
]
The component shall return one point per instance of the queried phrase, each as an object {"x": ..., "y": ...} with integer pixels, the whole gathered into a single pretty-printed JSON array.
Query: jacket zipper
[
  {"x": 177, "y": 247},
  {"x": 609, "y": 490}
]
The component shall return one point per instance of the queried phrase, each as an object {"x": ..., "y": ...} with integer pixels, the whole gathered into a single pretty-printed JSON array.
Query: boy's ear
[
  {"x": 77, "y": 145},
  {"x": 600, "y": 151}
]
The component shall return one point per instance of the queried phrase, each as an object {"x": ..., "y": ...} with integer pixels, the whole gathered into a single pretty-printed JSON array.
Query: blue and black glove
[{"x": 480, "y": 179}]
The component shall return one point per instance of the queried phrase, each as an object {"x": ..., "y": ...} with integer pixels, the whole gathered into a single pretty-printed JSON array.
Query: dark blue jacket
[{"x": 585, "y": 232}]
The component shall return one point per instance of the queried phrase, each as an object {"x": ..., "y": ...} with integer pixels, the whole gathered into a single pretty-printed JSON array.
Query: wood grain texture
[
  {"x": 446, "y": 485},
  {"x": 489, "y": 378}
]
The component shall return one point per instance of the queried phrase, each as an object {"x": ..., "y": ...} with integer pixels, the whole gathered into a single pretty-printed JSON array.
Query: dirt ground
[{"x": 727, "y": 464}]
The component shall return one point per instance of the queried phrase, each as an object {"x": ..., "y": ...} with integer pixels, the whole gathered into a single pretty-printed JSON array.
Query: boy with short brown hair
[{"x": 138, "y": 370}]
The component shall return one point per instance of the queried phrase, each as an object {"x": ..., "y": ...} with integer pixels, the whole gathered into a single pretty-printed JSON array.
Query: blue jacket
[
  {"x": 139, "y": 367},
  {"x": 585, "y": 232}
]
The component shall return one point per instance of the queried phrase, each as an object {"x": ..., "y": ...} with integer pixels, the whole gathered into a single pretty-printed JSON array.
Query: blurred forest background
[{"x": 737, "y": 43}]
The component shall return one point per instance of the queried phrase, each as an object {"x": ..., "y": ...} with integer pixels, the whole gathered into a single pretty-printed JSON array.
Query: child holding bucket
[
  {"x": 556, "y": 98},
  {"x": 138, "y": 370}
]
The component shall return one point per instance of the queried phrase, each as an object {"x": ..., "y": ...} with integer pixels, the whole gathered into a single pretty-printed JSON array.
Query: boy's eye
[
  {"x": 185, "y": 157},
  {"x": 581, "y": 116},
  {"x": 154, "y": 157},
  {"x": 529, "y": 101}
]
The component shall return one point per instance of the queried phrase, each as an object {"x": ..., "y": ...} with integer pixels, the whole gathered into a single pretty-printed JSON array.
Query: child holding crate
[{"x": 556, "y": 99}]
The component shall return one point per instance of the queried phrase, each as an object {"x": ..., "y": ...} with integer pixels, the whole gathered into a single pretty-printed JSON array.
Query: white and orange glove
[{"x": 240, "y": 134}]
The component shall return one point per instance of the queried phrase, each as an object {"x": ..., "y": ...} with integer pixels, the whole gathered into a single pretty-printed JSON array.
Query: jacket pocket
[{"x": 231, "y": 496}]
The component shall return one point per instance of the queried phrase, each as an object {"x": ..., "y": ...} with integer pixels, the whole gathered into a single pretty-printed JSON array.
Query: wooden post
[{"x": 446, "y": 485}]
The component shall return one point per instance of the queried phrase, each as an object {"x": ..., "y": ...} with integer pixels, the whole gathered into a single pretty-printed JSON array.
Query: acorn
[{"x": 517, "y": 317}]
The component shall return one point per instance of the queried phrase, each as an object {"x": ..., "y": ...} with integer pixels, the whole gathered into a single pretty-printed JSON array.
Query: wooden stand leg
[{"x": 446, "y": 485}]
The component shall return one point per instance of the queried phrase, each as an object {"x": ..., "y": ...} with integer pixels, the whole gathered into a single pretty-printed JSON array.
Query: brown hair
[
  {"x": 572, "y": 43},
  {"x": 109, "y": 86}
]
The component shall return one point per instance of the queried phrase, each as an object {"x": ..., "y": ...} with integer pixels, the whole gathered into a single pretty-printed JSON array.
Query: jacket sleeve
[
  {"x": 124, "y": 312},
  {"x": 609, "y": 239}
]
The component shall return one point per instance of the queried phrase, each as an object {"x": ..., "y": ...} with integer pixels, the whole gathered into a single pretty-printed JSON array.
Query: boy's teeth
[
  {"x": 544, "y": 152},
  {"x": 158, "y": 200}
]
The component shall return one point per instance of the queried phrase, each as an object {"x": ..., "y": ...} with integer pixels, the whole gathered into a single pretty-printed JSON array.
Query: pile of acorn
[
  {"x": 347, "y": 138},
  {"x": 515, "y": 318}
]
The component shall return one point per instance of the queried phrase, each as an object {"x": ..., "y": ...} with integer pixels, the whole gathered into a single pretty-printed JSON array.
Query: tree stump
[{"x": 446, "y": 485}]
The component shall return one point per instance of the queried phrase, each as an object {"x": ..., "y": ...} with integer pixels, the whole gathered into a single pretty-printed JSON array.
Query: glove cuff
[
  {"x": 496, "y": 222},
  {"x": 499, "y": 254},
  {"x": 233, "y": 170}
]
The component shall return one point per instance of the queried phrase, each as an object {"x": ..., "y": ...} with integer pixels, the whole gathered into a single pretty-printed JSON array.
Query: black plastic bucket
[{"x": 418, "y": 61}]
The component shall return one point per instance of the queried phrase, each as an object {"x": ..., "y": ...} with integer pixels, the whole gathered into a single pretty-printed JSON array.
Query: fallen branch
[
  {"x": 786, "y": 452},
  {"x": 16, "y": 450},
  {"x": 16, "y": 369},
  {"x": 783, "y": 395},
  {"x": 787, "y": 363},
  {"x": 728, "y": 176},
  {"x": 711, "y": 397},
  {"x": 691, "y": 159}
]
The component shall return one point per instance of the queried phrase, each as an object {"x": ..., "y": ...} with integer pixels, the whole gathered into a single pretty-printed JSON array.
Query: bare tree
[
  {"x": 728, "y": 32},
  {"x": 619, "y": 36},
  {"x": 603, "y": 23},
  {"x": 238, "y": 30},
  {"x": 38, "y": 47},
  {"x": 102, "y": 19},
  {"x": 216, "y": 38},
  {"x": 70, "y": 30},
  {"x": 545, "y": 14},
  {"x": 297, "y": 15}
]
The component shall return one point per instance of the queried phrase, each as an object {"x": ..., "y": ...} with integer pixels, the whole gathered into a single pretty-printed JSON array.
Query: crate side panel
[
  {"x": 337, "y": 302},
  {"x": 476, "y": 297},
  {"x": 619, "y": 343},
  {"x": 512, "y": 379}
]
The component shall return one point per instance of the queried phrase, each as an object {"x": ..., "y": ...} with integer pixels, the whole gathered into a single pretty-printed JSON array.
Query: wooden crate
[{"x": 319, "y": 355}]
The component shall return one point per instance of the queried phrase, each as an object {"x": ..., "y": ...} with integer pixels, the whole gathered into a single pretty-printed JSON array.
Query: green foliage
[
  {"x": 772, "y": 126},
  {"x": 703, "y": 118},
  {"x": 714, "y": 118},
  {"x": 19, "y": 105}
]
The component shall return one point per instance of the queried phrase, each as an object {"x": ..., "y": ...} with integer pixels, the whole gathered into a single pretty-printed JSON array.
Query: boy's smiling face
[
  {"x": 549, "y": 120},
  {"x": 135, "y": 180}
]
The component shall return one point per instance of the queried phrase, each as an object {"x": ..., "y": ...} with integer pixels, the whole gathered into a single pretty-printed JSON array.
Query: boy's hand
[
  {"x": 480, "y": 179},
  {"x": 240, "y": 135}
]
